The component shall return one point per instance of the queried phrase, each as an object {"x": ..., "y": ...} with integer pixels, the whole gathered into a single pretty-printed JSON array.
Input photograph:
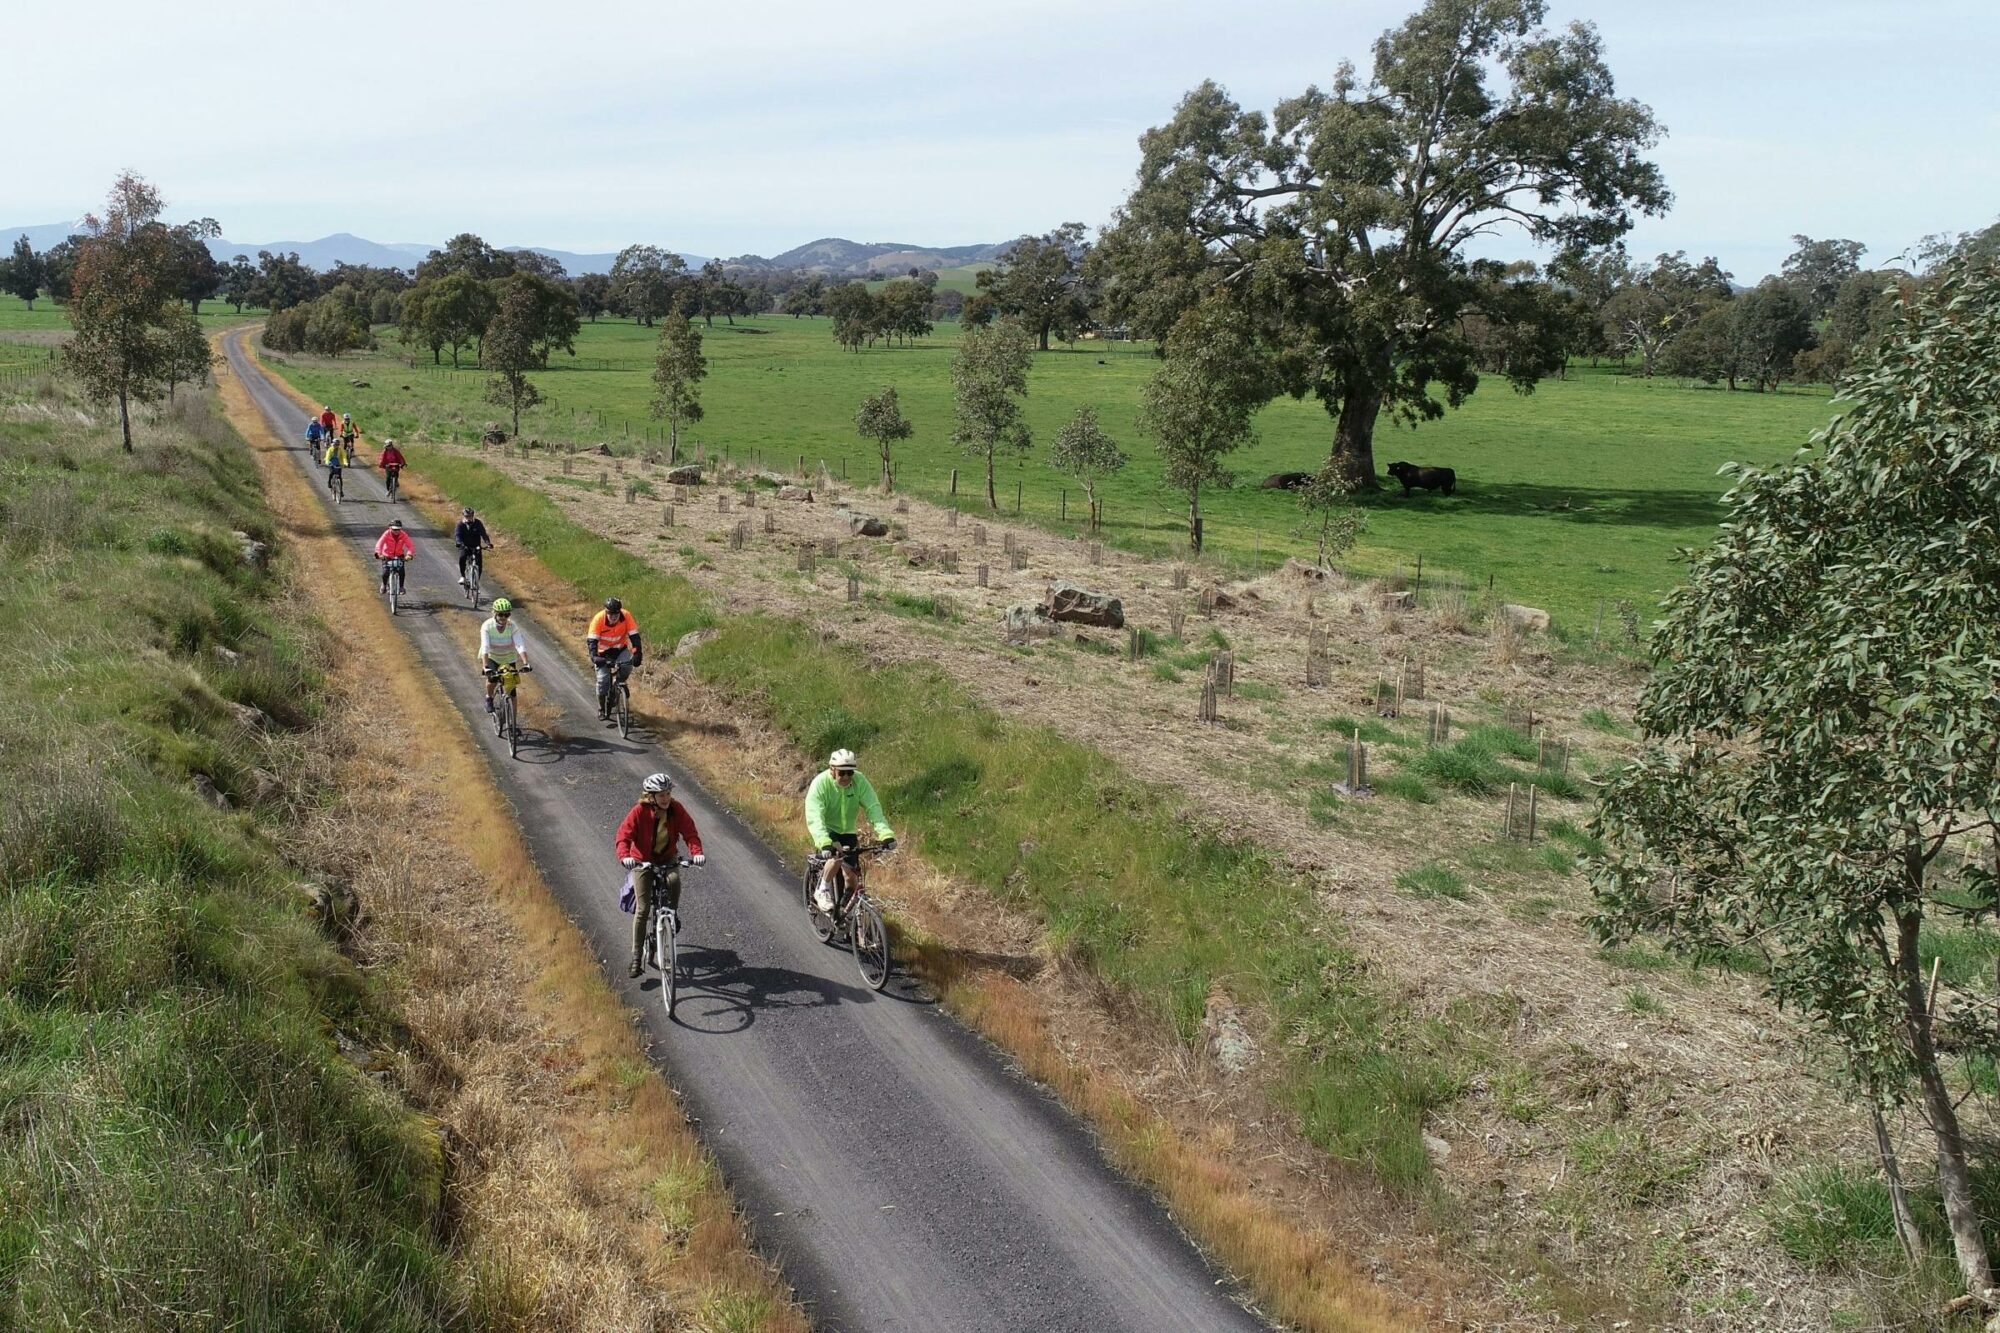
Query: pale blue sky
[{"x": 720, "y": 129}]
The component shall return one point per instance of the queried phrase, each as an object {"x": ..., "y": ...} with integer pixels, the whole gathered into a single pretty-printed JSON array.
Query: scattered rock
[
  {"x": 250, "y": 551},
  {"x": 866, "y": 525},
  {"x": 687, "y": 474},
  {"x": 1399, "y": 601},
  {"x": 604, "y": 450},
  {"x": 333, "y": 907},
  {"x": 1295, "y": 568},
  {"x": 1229, "y": 1041},
  {"x": 1526, "y": 617},
  {"x": 694, "y": 639},
  {"x": 359, "y": 384},
  {"x": 1285, "y": 481},
  {"x": 789, "y": 492},
  {"x": 494, "y": 436},
  {"x": 265, "y": 787},
  {"x": 1437, "y": 1148},
  {"x": 1080, "y": 606},
  {"x": 228, "y": 656},
  {"x": 249, "y": 717},
  {"x": 204, "y": 787},
  {"x": 1026, "y": 620}
]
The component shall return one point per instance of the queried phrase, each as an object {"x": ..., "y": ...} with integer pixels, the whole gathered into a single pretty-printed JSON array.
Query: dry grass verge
[{"x": 575, "y": 1174}]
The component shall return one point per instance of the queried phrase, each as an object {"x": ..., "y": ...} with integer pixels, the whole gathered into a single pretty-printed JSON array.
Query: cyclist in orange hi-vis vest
[{"x": 615, "y": 650}]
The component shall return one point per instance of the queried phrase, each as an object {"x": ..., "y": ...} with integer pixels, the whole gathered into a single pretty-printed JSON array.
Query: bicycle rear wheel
[
  {"x": 500, "y": 707},
  {"x": 871, "y": 942},
  {"x": 624, "y": 710},
  {"x": 513, "y": 728},
  {"x": 821, "y": 922}
]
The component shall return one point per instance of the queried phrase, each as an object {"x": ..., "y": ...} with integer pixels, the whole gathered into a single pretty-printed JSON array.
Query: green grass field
[
  {"x": 1575, "y": 495},
  {"x": 958, "y": 278}
]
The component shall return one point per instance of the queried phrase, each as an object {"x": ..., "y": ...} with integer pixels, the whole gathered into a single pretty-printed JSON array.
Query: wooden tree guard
[
  {"x": 1134, "y": 643},
  {"x": 1177, "y": 621},
  {"x": 948, "y": 560},
  {"x": 941, "y": 607},
  {"x": 979, "y": 534},
  {"x": 1222, "y": 670},
  {"x": 1017, "y": 559},
  {"x": 1356, "y": 781},
  {"x": 1437, "y": 726},
  {"x": 722, "y": 504},
  {"x": 808, "y": 560},
  {"x": 853, "y": 587},
  {"x": 1319, "y": 663},
  {"x": 739, "y": 535},
  {"x": 1096, "y": 553},
  {"x": 951, "y": 518},
  {"x": 680, "y": 495},
  {"x": 1208, "y": 711},
  {"x": 1552, "y": 756},
  {"x": 618, "y": 466},
  {"x": 1412, "y": 678},
  {"x": 1388, "y": 694},
  {"x": 569, "y": 466},
  {"x": 902, "y": 505},
  {"x": 1520, "y": 715},
  {"x": 828, "y": 548},
  {"x": 631, "y": 492},
  {"x": 770, "y": 521},
  {"x": 1520, "y": 826},
  {"x": 667, "y": 516},
  {"x": 1206, "y": 600},
  {"x": 982, "y": 576},
  {"x": 1180, "y": 578},
  {"x": 1007, "y": 542},
  {"x": 750, "y": 499}
]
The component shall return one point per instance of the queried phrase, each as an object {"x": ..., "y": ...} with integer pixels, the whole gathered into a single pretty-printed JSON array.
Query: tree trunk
[
  {"x": 124, "y": 419},
  {"x": 1354, "y": 439},
  {"x": 1899, "y": 1198},
  {"x": 1045, "y": 335},
  {"x": 991, "y": 502},
  {"x": 673, "y": 441},
  {"x": 1194, "y": 517},
  {"x": 1954, "y": 1178}
]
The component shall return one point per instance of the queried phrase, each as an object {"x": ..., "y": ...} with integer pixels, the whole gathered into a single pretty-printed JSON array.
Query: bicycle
[
  {"x": 663, "y": 942},
  {"x": 393, "y": 566},
  {"x": 616, "y": 702},
  {"x": 853, "y": 910},
  {"x": 392, "y": 481},
  {"x": 506, "y": 709},
  {"x": 473, "y": 568},
  {"x": 337, "y": 485}
]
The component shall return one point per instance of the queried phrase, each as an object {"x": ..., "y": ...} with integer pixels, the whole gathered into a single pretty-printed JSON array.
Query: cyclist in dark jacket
[{"x": 470, "y": 538}]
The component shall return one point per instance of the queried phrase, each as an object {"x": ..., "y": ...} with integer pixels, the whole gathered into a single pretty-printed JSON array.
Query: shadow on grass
[{"x": 1575, "y": 504}]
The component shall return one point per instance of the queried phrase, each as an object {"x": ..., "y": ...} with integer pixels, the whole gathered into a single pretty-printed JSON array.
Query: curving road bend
[{"x": 891, "y": 1163}]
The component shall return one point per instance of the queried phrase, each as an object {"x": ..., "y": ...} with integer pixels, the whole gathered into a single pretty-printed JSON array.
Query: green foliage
[
  {"x": 512, "y": 349},
  {"x": 1039, "y": 281},
  {"x": 1199, "y": 405},
  {"x": 678, "y": 371},
  {"x": 1082, "y": 450},
  {"x": 881, "y": 419},
  {"x": 989, "y": 377},
  {"x": 1433, "y": 881}
]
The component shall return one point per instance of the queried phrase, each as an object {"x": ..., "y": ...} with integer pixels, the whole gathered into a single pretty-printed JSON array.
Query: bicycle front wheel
[
  {"x": 666, "y": 953},
  {"x": 624, "y": 711},
  {"x": 871, "y": 943},
  {"x": 513, "y": 729},
  {"x": 821, "y": 922}
]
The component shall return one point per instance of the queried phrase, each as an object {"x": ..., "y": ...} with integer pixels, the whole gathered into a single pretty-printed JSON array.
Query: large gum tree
[{"x": 1340, "y": 222}]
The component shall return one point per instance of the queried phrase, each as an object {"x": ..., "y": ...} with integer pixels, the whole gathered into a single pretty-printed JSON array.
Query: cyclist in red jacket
[
  {"x": 647, "y": 838},
  {"x": 393, "y": 544}
]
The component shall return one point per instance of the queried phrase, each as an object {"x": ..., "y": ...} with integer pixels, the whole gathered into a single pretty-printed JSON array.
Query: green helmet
[{"x": 501, "y": 606}]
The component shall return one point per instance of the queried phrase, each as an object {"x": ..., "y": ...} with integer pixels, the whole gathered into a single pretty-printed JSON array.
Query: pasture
[{"x": 1574, "y": 496}]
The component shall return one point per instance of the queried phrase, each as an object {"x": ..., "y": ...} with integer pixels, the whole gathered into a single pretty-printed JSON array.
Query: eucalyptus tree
[{"x": 1339, "y": 223}]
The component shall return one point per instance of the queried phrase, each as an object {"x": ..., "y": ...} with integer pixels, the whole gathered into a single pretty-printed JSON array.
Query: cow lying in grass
[{"x": 1425, "y": 478}]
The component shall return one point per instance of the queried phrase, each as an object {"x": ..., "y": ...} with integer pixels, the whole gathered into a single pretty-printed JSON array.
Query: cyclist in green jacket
[{"x": 833, "y": 802}]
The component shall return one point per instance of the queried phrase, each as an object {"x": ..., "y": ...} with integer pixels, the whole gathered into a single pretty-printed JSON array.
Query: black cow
[
  {"x": 1425, "y": 478},
  {"x": 1286, "y": 481}
]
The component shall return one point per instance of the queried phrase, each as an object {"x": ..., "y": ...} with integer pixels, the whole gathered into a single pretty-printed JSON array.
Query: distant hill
[{"x": 831, "y": 255}]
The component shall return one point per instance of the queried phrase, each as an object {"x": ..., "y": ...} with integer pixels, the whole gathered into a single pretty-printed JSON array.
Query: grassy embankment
[
  {"x": 1574, "y": 495},
  {"x": 180, "y": 1140},
  {"x": 1122, "y": 880}
]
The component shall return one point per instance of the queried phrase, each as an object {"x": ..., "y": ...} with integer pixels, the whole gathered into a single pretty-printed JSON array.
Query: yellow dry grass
[{"x": 577, "y": 1180}]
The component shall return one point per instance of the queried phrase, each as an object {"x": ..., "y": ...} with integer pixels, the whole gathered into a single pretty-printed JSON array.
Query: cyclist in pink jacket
[{"x": 393, "y": 544}]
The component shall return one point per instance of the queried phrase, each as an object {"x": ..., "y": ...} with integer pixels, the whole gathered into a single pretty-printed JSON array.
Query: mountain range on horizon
[{"x": 830, "y": 255}]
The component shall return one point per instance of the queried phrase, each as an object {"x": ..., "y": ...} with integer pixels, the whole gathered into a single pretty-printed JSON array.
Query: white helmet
[
  {"x": 841, "y": 759},
  {"x": 659, "y": 782}
]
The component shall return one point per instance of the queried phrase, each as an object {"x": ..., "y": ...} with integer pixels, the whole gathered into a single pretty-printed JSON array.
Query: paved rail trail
[{"x": 899, "y": 1173}]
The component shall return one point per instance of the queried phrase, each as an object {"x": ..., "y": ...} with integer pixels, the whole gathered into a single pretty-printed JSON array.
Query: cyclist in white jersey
[{"x": 500, "y": 643}]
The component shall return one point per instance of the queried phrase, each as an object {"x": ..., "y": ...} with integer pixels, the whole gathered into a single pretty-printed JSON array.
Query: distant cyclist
[
  {"x": 335, "y": 458},
  {"x": 326, "y": 419},
  {"x": 500, "y": 644},
  {"x": 647, "y": 839},
  {"x": 615, "y": 650},
  {"x": 470, "y": 538},
  {"x": 393, "y": 544},
  {"x": 313, "y": 434},
  {"x": 347, "y": 431},
  {"x": 392, "y": 461},
  {"x": 834, "y": 802}
]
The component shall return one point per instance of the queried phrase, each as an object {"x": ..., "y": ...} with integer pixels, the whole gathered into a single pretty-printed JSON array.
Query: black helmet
[
  {"x": 612, "y": 606},
  {"x": 468, "y": 511},
  {"x": 397, "y": 523}
]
